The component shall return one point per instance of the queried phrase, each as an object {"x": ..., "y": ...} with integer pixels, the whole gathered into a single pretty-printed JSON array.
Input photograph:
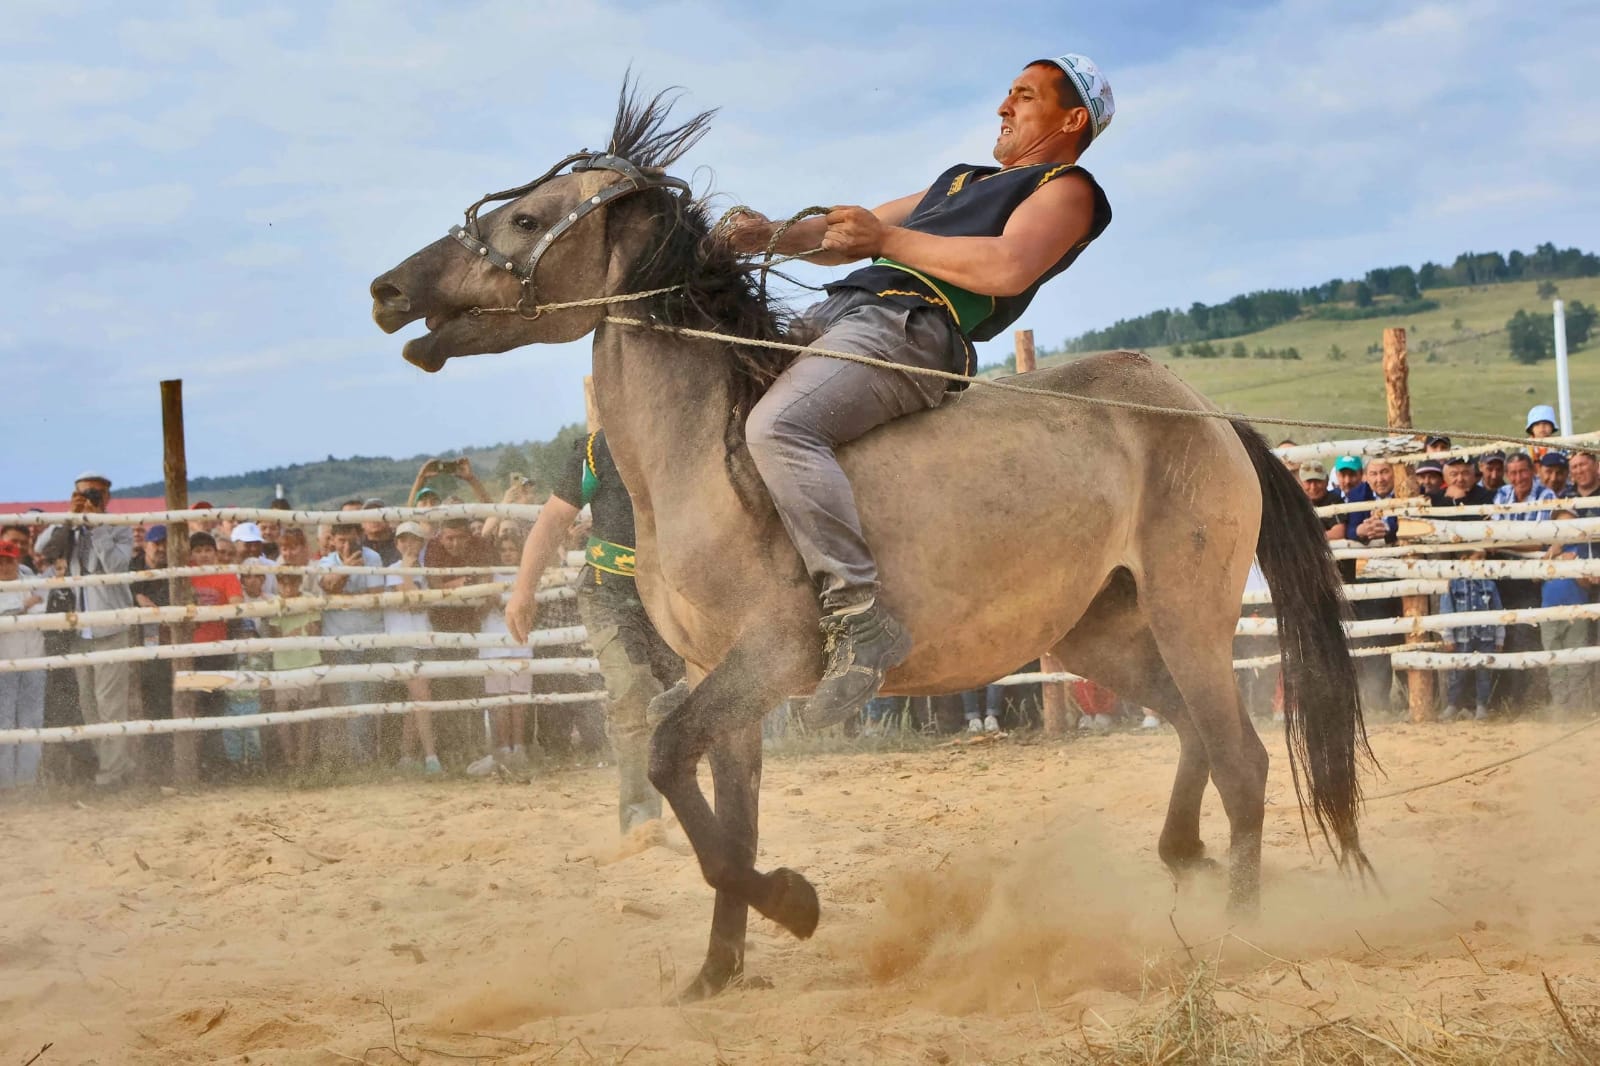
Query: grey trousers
[
  {"x": 820, "y": 403},
  {"x": 103, "y": 696}
]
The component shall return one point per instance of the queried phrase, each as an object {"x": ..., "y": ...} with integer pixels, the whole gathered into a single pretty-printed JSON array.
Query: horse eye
[{"x": 525, "y": 222}]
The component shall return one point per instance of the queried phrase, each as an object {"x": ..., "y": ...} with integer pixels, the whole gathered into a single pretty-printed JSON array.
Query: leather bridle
[{"x": 634, "y": 180}]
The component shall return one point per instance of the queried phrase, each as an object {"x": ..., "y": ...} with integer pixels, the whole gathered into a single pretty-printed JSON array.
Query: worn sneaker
[
  {"x": 482, "y": 767},
  {"x": 431, "y": 766},
  {"x": 1150, "y": 722},
  {"x": 1449, "y": 713},
  {"x": 1481, "y": 714},
  {"x": 974, "y": 725},
  {"x": 862, "y": 646},
  {"x": 991, "y": 724}
]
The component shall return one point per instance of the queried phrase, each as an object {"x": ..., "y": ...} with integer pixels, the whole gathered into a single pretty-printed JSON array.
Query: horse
[{"x": 1005, "y": 524}]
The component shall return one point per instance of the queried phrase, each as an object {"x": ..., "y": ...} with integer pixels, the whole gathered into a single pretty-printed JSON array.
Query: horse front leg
[
  {"x": 732, "y": 699},
  {"x": 736, "y": 784}
]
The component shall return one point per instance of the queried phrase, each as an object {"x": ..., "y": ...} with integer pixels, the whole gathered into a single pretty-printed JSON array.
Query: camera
[{"x": 95, "y": 496}]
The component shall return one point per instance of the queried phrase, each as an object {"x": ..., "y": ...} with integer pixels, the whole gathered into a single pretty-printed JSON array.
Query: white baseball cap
[
  {"x": 247, "y": 533},
  {"x": 411, "y": 529},
  {"x": 1092, "y": 88}
]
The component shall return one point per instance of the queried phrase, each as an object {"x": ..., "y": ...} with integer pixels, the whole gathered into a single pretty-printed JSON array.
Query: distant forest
[{"x": 1384, "y": 291}]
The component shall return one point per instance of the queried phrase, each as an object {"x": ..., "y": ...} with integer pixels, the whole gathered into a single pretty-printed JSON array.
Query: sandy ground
[{"x": 998, "y": 902}]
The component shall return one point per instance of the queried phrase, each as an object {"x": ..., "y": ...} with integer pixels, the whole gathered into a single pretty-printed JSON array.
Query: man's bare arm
[
  {"x": 1039, "y": 232},
  {"x": 752, "y": 233}
]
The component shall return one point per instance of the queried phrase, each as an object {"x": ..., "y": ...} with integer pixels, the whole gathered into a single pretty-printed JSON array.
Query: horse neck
[{"x": 664, "y": 403}]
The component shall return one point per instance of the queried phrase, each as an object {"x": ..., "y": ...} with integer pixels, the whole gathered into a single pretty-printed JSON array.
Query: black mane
[{"x": 720, "y": 292}]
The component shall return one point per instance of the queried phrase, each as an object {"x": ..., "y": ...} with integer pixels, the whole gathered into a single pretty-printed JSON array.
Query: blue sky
[{"x": 205, "y": 190}]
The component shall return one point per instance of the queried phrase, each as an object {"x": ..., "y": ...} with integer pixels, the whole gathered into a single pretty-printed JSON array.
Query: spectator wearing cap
[
  {"x": 202, "y": 525},
  {"x": 1461, "y": 487},
  {"x": 1436, "y": 445},
  {"x": 1430, "y": 477},
  {"x": 1521, "y": 487},
  {"x": 1347, "y": 472},
  {"x": 1373, "y": 674},
  {"x": 1553, "y": 471},
  {"x": 361, "y": 733},
  {"x": 377, "y": 534},
  {"x": 1492, "y": 471},
  {"x": 21, "y": 691},
  {"x": 418, "y": 730},
  {"x": 104, "y": 690},
  {"x": 1314, "y": 480},
  {"x": 250, "y": 548}
]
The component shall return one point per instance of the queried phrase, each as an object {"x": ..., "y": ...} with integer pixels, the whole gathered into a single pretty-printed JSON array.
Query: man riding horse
[{"x": 956, "y": 263}]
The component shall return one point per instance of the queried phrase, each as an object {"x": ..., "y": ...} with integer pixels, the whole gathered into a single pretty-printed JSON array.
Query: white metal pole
[{"x": 1563, "y": 388}]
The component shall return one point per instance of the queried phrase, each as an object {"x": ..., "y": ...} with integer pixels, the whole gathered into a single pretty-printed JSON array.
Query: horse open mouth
[{"x": 426, "y": 351}]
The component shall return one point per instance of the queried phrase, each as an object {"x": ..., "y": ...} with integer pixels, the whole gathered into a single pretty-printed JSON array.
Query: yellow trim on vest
[
  {"x": 1052, "y": 172},
  {"x": 961, "y": 179}
]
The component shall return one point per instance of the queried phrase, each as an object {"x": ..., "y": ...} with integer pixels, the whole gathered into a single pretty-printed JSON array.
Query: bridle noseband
[{"x": 635, "y": 180}]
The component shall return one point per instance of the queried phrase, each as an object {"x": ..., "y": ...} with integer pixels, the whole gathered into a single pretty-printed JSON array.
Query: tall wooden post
[
  {"x": 175, "y": 473},
  {"x": 1397, "y": 390},
  {"x": 1056, "y": 707}
]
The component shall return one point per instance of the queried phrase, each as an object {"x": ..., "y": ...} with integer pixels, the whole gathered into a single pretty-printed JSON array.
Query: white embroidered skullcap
[{"x": 1092, "y": 88}]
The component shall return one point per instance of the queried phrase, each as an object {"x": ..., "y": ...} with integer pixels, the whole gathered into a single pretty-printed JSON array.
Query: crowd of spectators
[
  {"x": 1452, "y": 480},
  {"x": 144, "y": 690}
]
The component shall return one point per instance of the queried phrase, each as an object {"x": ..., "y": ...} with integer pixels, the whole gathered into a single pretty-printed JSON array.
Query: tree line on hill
[
  {"x": 328, "y": 482},
  {"x": 1383, "y": 291}
]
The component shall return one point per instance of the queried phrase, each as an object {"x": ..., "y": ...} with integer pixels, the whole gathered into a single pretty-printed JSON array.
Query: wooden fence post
[
  {"x": 1057, "y": 708},
  {"x": 175, "y": 474},
  {"x": 1397, "y": 390}
]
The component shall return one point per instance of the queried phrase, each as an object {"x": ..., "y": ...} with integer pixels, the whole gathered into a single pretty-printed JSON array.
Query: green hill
[
  {"x": 1462, "y": 373},
  {"x": 329, "y": 482}
]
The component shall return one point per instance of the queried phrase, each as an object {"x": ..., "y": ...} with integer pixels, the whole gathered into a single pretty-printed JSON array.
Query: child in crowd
[
  {"x": 242, "y": 747},
  {"x": 1569, "y": 682},
  {"x": 22, "y": 691},
  {"x": 211, "y": 590},
  {"x": 1471, "y": 594},
  {"x": 418, "y": 729},
  {"x": 506, "y": 724},
  {"x": 296, "y": 737}
]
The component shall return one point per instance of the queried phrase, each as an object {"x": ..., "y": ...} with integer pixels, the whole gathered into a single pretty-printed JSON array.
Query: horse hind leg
[
  {"x": 1199, "y": 657},
  {"x": 1112, "y": 645}
]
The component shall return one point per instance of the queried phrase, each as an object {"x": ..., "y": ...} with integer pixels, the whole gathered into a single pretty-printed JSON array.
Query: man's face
[
  {"x": 376, "y": 532},
  {"x": 1585, "y": 471},
  {"x": 155, "y": 553},
  {"x": 248, "y": 549},
  {"x": 253, "y": 584},
  {"x": 10, "y": 568},
  {"x": 1380, "y": 475},
  {"x": 289, "y": 584},
  {"x": 454, "y": 539},
  {"x": 1554, "y": 478},
  {"x": 348, "y": 542},
  {"x": 1540, "y": 430},
  {"x": 202, "y": 555},
  {"x": 510, "y": 552},
  {"x": 1031, "y": 115},
  {"x": 1494, "y": 474},
  {"x": 1430, "y": 480},
  {"x": 1315, "y": 487},
  {"x": 17, "y": 537},
  {"x": 1519, "y": 474},
  {"x": 271, "y": 531},
  {"x": 1347, "y": 479},
  {"x": 1460, "y": 477}
]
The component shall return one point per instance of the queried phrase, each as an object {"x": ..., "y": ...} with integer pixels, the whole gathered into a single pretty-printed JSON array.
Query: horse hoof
[
  {"x": 705, "y": 985},
  {"x": 794, "y": 903}
]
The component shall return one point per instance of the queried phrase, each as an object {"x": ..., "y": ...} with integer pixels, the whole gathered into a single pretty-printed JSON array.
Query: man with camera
[{"x": 103, "y": 689}]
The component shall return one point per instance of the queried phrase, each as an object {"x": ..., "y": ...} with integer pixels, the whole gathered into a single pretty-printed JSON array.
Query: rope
[
  {"x": 1006, "y": 386},
  {"x": 1486, "y": 766}
]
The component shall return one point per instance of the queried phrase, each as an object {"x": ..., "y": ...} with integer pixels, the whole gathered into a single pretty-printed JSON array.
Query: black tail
[{"x": 1326, "y": 736}]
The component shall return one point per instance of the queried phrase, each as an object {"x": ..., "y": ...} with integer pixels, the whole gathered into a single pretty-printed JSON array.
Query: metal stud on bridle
[{"x": 636, "y": 180}]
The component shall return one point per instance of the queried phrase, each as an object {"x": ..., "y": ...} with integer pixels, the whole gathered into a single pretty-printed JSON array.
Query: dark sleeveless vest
[{"x": 973, "y": 201}]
